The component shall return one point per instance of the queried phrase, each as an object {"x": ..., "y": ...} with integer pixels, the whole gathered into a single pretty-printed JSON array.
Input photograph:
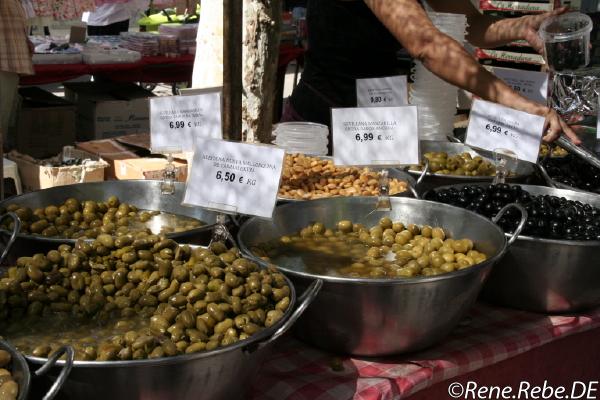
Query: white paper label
[
  {"x": 177, "y": 121},
  {"x": 390, "y": 91},
  {"x": 530, "y": 84},
  {"x": 235, "y": 177},
  {"x": 375, "y": 136},
  {"x": 493, "y": 126}
]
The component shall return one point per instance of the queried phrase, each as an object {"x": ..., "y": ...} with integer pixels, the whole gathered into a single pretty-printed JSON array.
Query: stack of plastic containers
[
  {"x": 302, "y": 137},
  {"x": 435, "y": 98}
]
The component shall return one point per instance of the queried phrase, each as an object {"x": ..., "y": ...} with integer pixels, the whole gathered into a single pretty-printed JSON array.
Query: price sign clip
[
  {"x": 383, "y": 201},
  {"x": 167, "y": 185},
  {"x": 506, "y": 161},
  {"x": 220, "y": 232}
]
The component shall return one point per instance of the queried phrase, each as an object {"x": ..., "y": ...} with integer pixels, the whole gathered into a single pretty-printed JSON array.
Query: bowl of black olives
[
  {"x": 570, "y": 172},
  {"x": 551, "y": 266}
]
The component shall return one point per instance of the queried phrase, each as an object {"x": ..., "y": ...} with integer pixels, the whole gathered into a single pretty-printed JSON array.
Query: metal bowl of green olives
[
  {"x": 460, "y": 170},
  {"x": 381, "y": 315},
  {"x": 149, "y": 318},
  {"x": 48, "y": 215}
]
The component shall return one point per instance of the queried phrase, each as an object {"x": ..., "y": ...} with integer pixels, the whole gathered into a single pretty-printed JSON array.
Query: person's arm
[
  {"x": 486, "y": 31},
  {"x": 448, "y": 59}
]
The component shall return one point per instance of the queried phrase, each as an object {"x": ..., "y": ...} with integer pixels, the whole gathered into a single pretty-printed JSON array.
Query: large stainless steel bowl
[
  {"x": 547, "y": 275},
  {"x": 222, "y": 374},
  {"x": 430, "y": 180},
  {"x": 21, "y": 374},
  {"x": 374, "y": 317},
  {"x": 559, "y": 185},
  {"x": 144, "y": 194}
]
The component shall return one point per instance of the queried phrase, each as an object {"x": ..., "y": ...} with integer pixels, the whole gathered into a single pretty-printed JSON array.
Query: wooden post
[
  {"x": 232, "y": 69},
  {"x": 262, "y": 28}
]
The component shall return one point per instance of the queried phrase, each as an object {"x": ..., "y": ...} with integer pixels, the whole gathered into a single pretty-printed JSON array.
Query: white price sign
[
  {"x": 530, "y": 84},
  {"x": 375, "y": 136},
  {"x": 390, "y": 91},
  {"x": 235, "y": 177},
  {"x": 493, "y": 126},
  {"x": 177, "y": 121}
]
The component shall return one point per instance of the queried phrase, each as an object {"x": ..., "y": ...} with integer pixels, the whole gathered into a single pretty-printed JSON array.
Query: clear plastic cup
[{"x": 567, "y": 41}]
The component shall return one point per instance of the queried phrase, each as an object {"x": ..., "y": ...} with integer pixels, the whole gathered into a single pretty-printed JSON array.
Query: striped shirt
[{"x": 14, "y": 50}]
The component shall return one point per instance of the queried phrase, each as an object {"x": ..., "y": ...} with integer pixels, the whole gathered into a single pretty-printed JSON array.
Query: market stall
[{"x": 395, "y": 267}]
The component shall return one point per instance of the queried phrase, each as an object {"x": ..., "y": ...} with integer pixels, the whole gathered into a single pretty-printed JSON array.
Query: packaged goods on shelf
[
  {"x": 39, "y": 174},
  {"x": 110, "y": 151},
  {"x": 181, "y": 31},
  {"x": 519, "y": 6},
  {"x": 509, "y": 56},
  {"x": 110, "y": 56},
  {"x": 145, "y": 43},
  {"x": 148, "y": 168}
]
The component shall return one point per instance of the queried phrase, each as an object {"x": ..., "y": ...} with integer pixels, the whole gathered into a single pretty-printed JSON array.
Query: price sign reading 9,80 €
[
  {"x": 177, "y": 121},
  {"x": 492, "y": 126},
  {"x": 390, "y": 91},
  {"x": 235, "y": 177},
  {"x": 375, "y": 136}
]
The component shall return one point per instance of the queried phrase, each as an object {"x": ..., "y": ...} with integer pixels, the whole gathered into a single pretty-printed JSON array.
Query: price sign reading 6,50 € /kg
[
  {"x": 177, "y": 121},
  {"x": 389, "y": 91},
  {"x": 235, "y": 177},
  {"x": 375, "y": 136},
  {"x": 492, "y": 126}
]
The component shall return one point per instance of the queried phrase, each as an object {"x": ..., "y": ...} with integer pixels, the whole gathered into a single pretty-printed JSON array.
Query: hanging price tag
[
  {"x": 375, "y": 136},
  {"x": 391, "y": 91},
  {"x": 235, "y": 177},
  {"x": 530, "y": 84},
  {"x": 177, "y": 121},
  {"x": 493, "y": 126}
]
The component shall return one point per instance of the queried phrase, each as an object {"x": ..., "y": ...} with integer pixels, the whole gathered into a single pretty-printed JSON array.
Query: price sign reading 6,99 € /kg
[
  {"x": 375, "y": 136},
  {"x": 177, "y": 121},
  {"x": 493, "y": 126},
  {"x": 235, "y": 177}
]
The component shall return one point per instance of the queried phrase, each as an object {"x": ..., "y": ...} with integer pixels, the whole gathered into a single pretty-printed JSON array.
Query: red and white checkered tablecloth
[{"x": 489, "y": 335}]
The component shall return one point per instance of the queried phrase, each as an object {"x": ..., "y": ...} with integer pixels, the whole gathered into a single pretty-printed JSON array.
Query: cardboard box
[
  {"x": 39, "y": 174},
  {"x": 110, "y": 151},
  {"x": 45, "y": 123},
  {"x": 147, "y": 168},
  {"x": 107, "y": 110}
]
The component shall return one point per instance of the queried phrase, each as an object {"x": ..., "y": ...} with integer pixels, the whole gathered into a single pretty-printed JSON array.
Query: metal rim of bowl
[
  {"x": 381, "y": 281},
  {"x": 471, "y": 151},
  {"x": 586, "y": 243},
  {"x": 18, "y": 358},
  {"x": 58, "y": 240},
  {"x": 254, "y": 339}
]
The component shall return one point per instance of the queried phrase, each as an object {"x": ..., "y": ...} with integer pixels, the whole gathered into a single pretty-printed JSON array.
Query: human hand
[
  {"x": 30, "y": 46},
  {"x": 530, "y": 25},
  {"x": 555, "y": 126}
]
